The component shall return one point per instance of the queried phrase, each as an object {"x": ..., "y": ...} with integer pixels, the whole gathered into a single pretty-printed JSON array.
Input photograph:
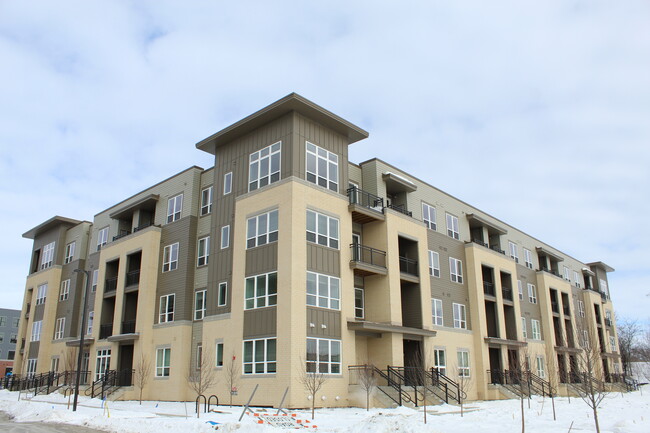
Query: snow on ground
[{"x": 619, "y": 413}]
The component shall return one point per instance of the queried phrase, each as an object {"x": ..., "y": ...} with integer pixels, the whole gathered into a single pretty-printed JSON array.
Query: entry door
[{"x": 356, "y": 241}]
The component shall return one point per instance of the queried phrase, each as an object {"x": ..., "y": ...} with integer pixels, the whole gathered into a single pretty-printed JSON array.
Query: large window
[
  {"x": 541, "y": 372},
  {"x": 166, "y": 308},
  {"x": 69, "y": 252},
  {"x": 262, "y": 229},
  {"x": 528, "y": 258},
  {"x": 524, "y": 331},
  {"x": 206, "y": 201},
  {"x": 460, "y": 318},
  {"x": 323, "y": 356},
  {"x": 452, "y": 226},
  {"x": 261, "y": 291},
  {"x": 103, "y": 363},
  {"x": 36, "y": 330},
  {"x": 64, "y": 294},
  {"x": 227, "y": 183},
  {"x": 170, "y": 257},
  {"x": 434, "y": 264},
  {"x": 440, "y": 361},
  {"x": 163, "y": 361},
  {"x": 322, "y": 167},
  {"x": 59, "y": 328},
  {"x": 429, "y": 216},
  {"x": 436, "y": 311},
  {"x": 222, "y": 294},
  {"x": 199, "y": 304},
  {"x": 520, "y": 289},
  {"x": 514, "y": 253},
  {"x": 532, "y": 294},
  {"x": 576, "y": 279},
  {"x": 48, "y": 255},
  {"x": 536, "y": 331},
  {"x": 31, "y": 367},
  {"x": 322, "y": 229},
  {"x": 203, "y": 253},
  {"x": 102, "y": 238},
  {"x": 264, "y": 167},
  {"x": 225, "y": 237},
  {"x": 359, "y": 303},
  {"x": 41, "y": 293},
  {"x": 323, "y": 291},
  {"x": 259, "y": 356},
  {"x": 463, "y": 362},
  {"x": 174, "y": 208},
  {"x": 456, "y": 270},
  {"x": 93, "y": 288}
]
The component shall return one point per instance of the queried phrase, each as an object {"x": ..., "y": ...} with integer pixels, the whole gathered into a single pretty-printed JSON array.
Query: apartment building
[
  {"x": 8, "y": 337},
  {"x": 287, "y": 257}
]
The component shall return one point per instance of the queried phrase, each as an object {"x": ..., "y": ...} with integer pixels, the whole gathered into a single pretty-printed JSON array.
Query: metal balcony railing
[
  {"x": 488, "y": 288},
  {"x": 111, "y": 284},
  {"x": 133, "y": 278},
  {"x": 507, "y": 293},
  {"x": 408, "y": 266},
  {"x": 368, "y": 255},
  {"x": 365, "y": 199},
  {"x": 128, "y": 327},
  {"x": 400, "y": 208},
  {"x": 142, "y": 226},
  {"x": 105, "y": 331}
]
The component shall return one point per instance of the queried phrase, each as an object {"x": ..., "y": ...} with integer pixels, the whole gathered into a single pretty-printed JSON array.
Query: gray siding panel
[
  {"x": 262, "y": 259},
  {"x": 261, "y": 322},
  {"x": 323, "y": 260},
  {"x": 331, "y": 319}
]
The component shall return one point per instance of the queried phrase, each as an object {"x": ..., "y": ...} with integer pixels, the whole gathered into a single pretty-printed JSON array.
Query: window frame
[
  {"x": 318, "y": 154},
  {"x": 317, "y": 358},
  {"x": 270, "y": 298},
  {"x": 206, "y": 202},
  {"x": 540, "y": 364},
  {"x": 524, "y": 331},
  {"x": 95, "y": 279},
  {"x": 456, "y": 270},
  {"x": 528, "y": 258},
  {"x": 218, "y": 354},
  {"x": 520, "y": 290},
  {"x": 266, "y": 359},
  {"x": 266, "y": 153},
  {"x": 262, "y": 235},
  {"x": 453, "y": 229},
  {"x": 438, "y": 364},
  {"x": 90, "y": 322},
  {"x": 315, "y": 236},
  {"x": 102, "y": 362},
  {"x": 514, "y": 252},
  {"x": 174, "y": 208},
  {"x": 358, "y": 308},
  {"x": 225, "y": 237},
  {"x": 434, "y": 264},
  {"x": 463, "y": 362},
  {"x": 536, "y": 330},
  {"x": 199, "y": 310},
  {"x": 532, "y": 293},
  {"x": 436, "y": 307},
  {"x": 163, "y": 363},
  {"x": 170, "y": 257},
  {"x": 47, "y": 259},
  {"x": 332, "y": 298},
  {"x": 64, "y": 292},
  {"x": 69, "y": 252},
  {"x": 37, "y": 327},
  {"x": 203, "y": 257},
  {"x": 459, "y": 310},
  {"x": 41, "y": 294},
  {"x": 102, "y": 237},
  {"x": 59, "y": 328},
  {"x": 581, "y": 308},
  {"x": 222, "y": 294},
  {"x": 427, "y": 211},
  {"x": 166, "y": 314},
  {"x": 227, "y": 183}
]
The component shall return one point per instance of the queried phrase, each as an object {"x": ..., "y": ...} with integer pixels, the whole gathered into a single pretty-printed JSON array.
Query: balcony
[
  {"x": 128, "y": 327},
  {"x": 365, "y": 207},
  {"x": 488, "y": 288},
  {"x": 550, "y": 271},
  {"x": 408, "y": 269},
  {"x": 555, "y": 307},
  {"x": 400, "y": 208},
  {"x": 507, "y": 293},
  {"x": 110, "y": 285},
  {"x": 608, "y": 321},
  {"x": 367, "y": 261},
  {"x": 133, "y": 278},
  {"x": 105, "y": 331},
  {"x": 567, "y": 310}
]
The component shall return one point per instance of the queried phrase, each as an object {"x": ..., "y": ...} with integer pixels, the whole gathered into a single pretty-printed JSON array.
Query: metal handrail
[
  {"x": 488, "y": 288},
  {"x": 364, "y": 198},
  {"x": 105, "y": 331},
  {"x": 400, "y": 208},
  {"x": 111, "y": 284},
  {"x": 408, "y": 266},
  {"x": 507, "y": 293},
  {"x": 133, "y": 278},
  {"x": 371, "y": 256}
]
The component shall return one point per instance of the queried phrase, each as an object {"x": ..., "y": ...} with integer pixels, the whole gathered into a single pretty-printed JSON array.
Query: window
[
  {"x": 48, "y": 255},
  {"x": 528, "y": 258},
  {"x": 13, "y": 339},
  {"x": 227, "y": 183},
  {"x": 166, "y": 313},
  {"x": 436, "y": 311},
  {"x": 460, "y": 319},
  {"x": 95, "y": 278},
  {"x": 41, "y": 294},
  {"x": 203, "y": 253},
  {"x": 452, "y": 226},
  {"x": 11, "y": 354},
  {"x": 323, "y": 291},
  {"x": 537, "y": 333},
  {"x": 31, "y": 367},
  {"x": 322, "y": 229},
  {"x": 69, "y": 252},
  {"x": 359, "y": 300},
  {"x": 259, "y": 356},
  {"x": 581, "y": 308},
  {"x": 262, "y": 229},
  {"x": 429, "y": 216},
  {"x": 434, "y": 264},
  {"x": 603, "y": 288},
  {"x": 219, "y": 355},
  {"x": 206, "y": 201},
  {"x": 3, "y": 321},
  {"x": 59, "y": 328},
  {"x": 532, "y": 293},
  {"x": 524, "y": 332},
  {"x": 440, "y": 361},
  {"x": 15, "y": 322},
  {"x": 514, "y": 254},
  {"x": 225, "y": 237},
  {"x": 222, "y": 294},
  {"x": 163, "y": 359},
  {"x": 540, "y": 366},
  {"x": 323, "y": 356},
  {"x": 585, "y": 338},
  {"x": 199, "y": 304},
  {"x": 463, "y": 363},
  {"x": 170, "y": 257},
  {"x": 64, "y": 294},
  {"x": 612, "y": 343},
  {"x": 322, "y": 167},
  {"x": 576, "y": 279},
  {"x": 261, "y": 291},
  {"x": 199, "y": 356},
  {"x": 102, "y": 238},
  {"x": 520, "y": 289},
  {"x": 567, "y": 275},
  {"x": 456, "y": 270},
  {"x": 103, "y": 363},
  {"x": 2, "y": 339},
  {"x": 36, "y": 330},
  {"x": 174, "y": 208},
  {"x": 91, "y": 319},
  {"x": 264, "y": 167}
]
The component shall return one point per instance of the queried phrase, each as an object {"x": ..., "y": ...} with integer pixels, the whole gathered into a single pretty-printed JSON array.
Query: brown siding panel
[
  {"x": 323, "y": 260},
  {"x": 319, "y": 317},
  {"x": 261, "y": 322}
]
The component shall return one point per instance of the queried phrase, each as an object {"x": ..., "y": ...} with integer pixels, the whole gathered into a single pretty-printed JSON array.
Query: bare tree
[
  {"x": 142, "y": 373},
  {"x": 312, "y": 380},
  {"x": 552, "y": 374},
  {"x": 202, "y": 375},
  {"x": 465, "y": 381},
  {"x": 367, "y": 381},
  {"x": 232, "y": 371},
  {"x": 628, "y": 332},
  {"x": 70, "y": 359},
  {"x": 419, "y": 376}
]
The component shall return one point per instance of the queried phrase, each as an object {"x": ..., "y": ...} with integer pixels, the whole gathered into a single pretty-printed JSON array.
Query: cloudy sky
[{"x": 535, "y": 112}]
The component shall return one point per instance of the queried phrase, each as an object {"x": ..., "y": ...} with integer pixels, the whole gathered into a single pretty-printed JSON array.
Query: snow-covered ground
[{"x": 629, "y": 413}]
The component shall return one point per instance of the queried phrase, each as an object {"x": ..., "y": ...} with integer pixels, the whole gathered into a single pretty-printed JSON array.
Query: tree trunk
[
  {"x": 523, "y": 420},
  {"x": 367, "y": 401},
  {"x": 140, "y": 396},
  {"x": 553, "y": 403},
  {"x": 596, "y": 419},
  {"x": 313, "y": 404}
]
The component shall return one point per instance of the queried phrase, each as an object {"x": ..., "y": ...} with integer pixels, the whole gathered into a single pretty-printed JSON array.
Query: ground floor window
[
  {"x": 540, "y": 366},
  {"x": 31, "y": 367},
  {"x": 103, "y": 363},
  {"x": 463, "y": 363},
  {"x": 163, "y": 360},
  {"x": 440, "y": 361},
  {"x": 55, "y": 364},
  {"x": 259, "y": 356},
  {"x": 323, "y": 356}
]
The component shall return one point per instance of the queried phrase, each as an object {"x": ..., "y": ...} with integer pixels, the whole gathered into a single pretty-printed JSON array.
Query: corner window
[
  {"x": 199, "y": 304},
  {"x": 264, "y": 167},
  {"x": 463, "y": 363},
  {"x": 163, "y": 360},
  {"x": 460, "y": 318},
  {"x": 262, "y": 229},
  {"x": 102, "y": 238},
  {"x": 434, "y": 264},
  {"x": 323, "y": 291},
  {"x": 456, "y": 270},
  {"x": 452, "y": 226},
  {"x": 359, "y": 300},
  {"x": 170, "y": 257},
  {"x": 261, "y": 291},
  {"x": 48, "y": 255},
  {"x": 203, "y": 253},
  {"x": 69, "y": 252},
  {"x": 429, "y": 216},
  {"x": 567, "y": 274},
  {"x": 225, "y": 237},
  {"x": 323, "y": 356},
  {"x": 65, "y": 290},
  {"x": 259, "y": 356},
  {"x": 436, "y": 312},
  {"x": 206, "y": 201},
  {"x": 174, "y": 208},
  {"x": 532, "y": 294},
  {"x": 222, "y": 294},
  {"x": 322, "y": 167},
  {"x": 322, "y": 229},
  {"x": 514, "y": 254},
  {"x": 166, "y": 308},
  {"x": 227, "y": 183}
]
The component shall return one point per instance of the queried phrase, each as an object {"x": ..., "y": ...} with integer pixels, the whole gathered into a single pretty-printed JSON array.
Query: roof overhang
[
  {"x": 396, "y": 183},
  {"x": 475, "y": 220},
  {"x": 291, "y": 102},
  {"x": 75, "y": 343},
  {"x": 503, "y": 341},
  {"x": 549, "y": 253},
  {"x": 145, "y": 203},
  {"x": 381, "y": 328},
  {"x": 49, "y": 225},
  {"x": 602, "y": 266}
]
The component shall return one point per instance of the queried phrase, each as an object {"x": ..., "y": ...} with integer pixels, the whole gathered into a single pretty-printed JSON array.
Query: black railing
[
  {"x": 368, "y": 255},
  {"x": 488, "y": 288},
  {"x": 133, "y": 278},
  {"x": 507, "y": 293},
  {"x": 555, "y": 307},
  {"x": 105, "y": 331},
  {"x": 567, "y": 310},
  {"x": 550, "y": 271},
  {"x": 399, "y": 208},
  {"x": 444, "y": 384},
  {"x": 497, "y": 249},
  {"x": 608, "y": 322},
  {"x": 365, "y": 199},
  {"x": 408, "y": 266},
  {"x": 111, "y": 284},
  {"x": 481, "y": 243},
  {"x": 382, "y": 379},
  {"x": 109, "y": 382},
  {"x": 43, "y": 383},
  {"x": 123, "y": 234},
  {"x": 142, "y": 226},
  {"x": 128, "y": 327}
]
